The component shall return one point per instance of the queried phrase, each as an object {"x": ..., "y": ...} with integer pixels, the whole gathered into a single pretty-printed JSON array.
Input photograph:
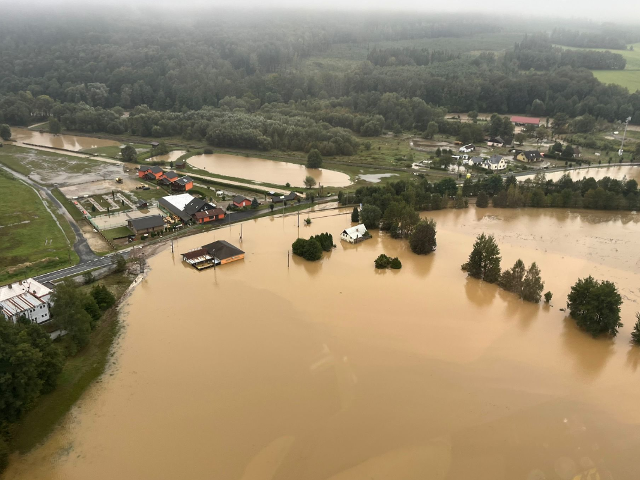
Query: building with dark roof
[
  {"x": 529, "y": 156},
  {"x": 148, "y": 224},
  {"x": 184, "y": 206},
  {"x": 206, "y": 216},
  {"x": 212, "y": 254},
  {"x": 151, "y": 172},
  {"x": 142, "y": 204},
  {"x": 290, "y": 197},
  {"x": 182, "y": 184},
  {"x": 240, "y": 201}
]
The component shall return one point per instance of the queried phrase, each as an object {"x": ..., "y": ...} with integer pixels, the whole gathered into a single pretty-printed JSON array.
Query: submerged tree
[
  {"x": 595, "y": 306},
  {"x": 483, "y": 200},
  {"x": 355, "y": 215},
  {"x": 370, "y": 216},
  {"x": 309, "y": 181},
  {"x": 314, "y": 159},
  {"x": 532, "y": 285},
  {"x": 635, "y": 335},
  {"x": 423, "y": 239},
  {"x": 484, "y": 260}
]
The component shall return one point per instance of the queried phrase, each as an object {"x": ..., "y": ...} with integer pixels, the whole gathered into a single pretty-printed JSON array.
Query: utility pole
[
  {"x": 626, "y": 124},
  {"x": 287, "y": 258},
  {"x": 172, "y": 245}
]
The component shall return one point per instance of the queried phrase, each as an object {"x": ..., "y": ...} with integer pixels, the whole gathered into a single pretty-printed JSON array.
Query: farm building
[
  {"x": 148, "y": 224},
  {"x": 495, "y": 142},
  {"x": 525, "y": 121},
  {"x": 150, "y": 173},
  {"x": 529, "y": 156},
  {"x": 182, "y": 184},
  {"x": 184, "y": 205},
  {"x": 206, "y": 216},
  {"x": 290, "y": 197},
  {"x": 26, "y": 297},
  {"x": 142, "y": 204},
  {"x": 240, "y": 201},
  {"x": 355, "y": 234},
  {"x": 168, "y": 178},
  {"x": 212, "y": 254}
]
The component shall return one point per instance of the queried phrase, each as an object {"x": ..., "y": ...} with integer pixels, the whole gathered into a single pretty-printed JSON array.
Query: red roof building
[{"x": 525, "y": 120}]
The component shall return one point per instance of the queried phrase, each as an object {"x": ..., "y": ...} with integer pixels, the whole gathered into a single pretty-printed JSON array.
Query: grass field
[
  {"x": 32, "y": 242},
  {"x": 629, "y": 77},
  {"x": 78, "y": 374},
  {"x": 117, "y": 232}
]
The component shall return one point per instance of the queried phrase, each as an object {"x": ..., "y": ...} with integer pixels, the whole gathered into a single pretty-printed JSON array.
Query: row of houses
[{"x": 167, "y": 179}]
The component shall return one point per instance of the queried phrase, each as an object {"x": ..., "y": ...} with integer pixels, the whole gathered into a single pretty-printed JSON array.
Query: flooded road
[
  {"x": 598, "y": 173},
  {"x": 267, "y": 171},
  {"x": 333, "y": 370},
  {"x": 67, "y": 142}
]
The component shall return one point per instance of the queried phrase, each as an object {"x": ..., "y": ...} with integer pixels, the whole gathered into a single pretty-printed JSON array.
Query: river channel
[{"x": 335, "y": 371}]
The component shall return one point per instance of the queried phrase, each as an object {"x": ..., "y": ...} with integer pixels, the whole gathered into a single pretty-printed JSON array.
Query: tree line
[
  {"x": 538, "y": 53},
  {"x": 408, "y": 56},
  {"x": 30, "y": 362}
]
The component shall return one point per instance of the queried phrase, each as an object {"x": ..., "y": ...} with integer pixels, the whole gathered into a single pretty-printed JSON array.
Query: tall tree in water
[{"x": 484, "y": 260}]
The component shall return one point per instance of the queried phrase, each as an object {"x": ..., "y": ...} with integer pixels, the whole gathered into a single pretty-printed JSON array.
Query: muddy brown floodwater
[
  {"x": 333, "y": 370},
  {"x": 67, "y": 142},
  {"x": 619, "y": 172},
  {"x": 267, "y": 171}
]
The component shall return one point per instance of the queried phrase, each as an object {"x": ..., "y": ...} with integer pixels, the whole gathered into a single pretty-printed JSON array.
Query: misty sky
[{"x": 596, "y": 10}]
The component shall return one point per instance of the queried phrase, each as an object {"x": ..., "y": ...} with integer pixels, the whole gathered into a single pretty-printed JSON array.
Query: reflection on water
[
  {"x": 67, "y": 142},
  {"x": 328, "y": 370},
  {"x": 267, "y": 171},
  {"x": 598, "y": 173}
]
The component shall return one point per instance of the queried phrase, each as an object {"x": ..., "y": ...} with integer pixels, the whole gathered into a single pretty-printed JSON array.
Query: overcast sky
[{"x": 627, "y": 11}]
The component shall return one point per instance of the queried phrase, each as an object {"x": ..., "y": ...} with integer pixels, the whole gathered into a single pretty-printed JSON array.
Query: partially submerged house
[
  {"x": 355, "y": 234},
  {"x": 212, "y": 254},
  {"x": 27, "y": 298},
  {"x": 148, "y": 224},
  {"x": 467, "y": 148},
  {"x": 529, "y": 156},
  {"x": 495, "y": 142},
  {"x": 184, "y": 206}
]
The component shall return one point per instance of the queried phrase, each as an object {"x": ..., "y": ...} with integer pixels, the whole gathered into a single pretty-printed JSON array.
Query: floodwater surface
[
  {"x": 267, "y": 171},
  {"x": 67, "y": 142},
  {"x": 172, "y": 156},
  {"x": 619, "y": 172},
  {"x": 336, "y": 371}
]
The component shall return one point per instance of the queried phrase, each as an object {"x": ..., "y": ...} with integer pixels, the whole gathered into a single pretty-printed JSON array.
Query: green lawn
[
  {"x": 113, "y": 151},
  {"x": 78, "y": 374},
  {"x": 32, "y": 242},
  {"x": 75, "y": 213},
  {"x": 117, "y": 232}
]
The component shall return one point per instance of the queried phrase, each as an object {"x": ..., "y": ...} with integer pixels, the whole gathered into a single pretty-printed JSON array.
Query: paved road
[
  {"x": 80, "y": 246},
  {"x": 77, "y": 269}
]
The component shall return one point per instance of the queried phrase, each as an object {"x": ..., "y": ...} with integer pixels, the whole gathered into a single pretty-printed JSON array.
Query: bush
[
  {"x": 208, "y": 151},
  {"x": 395, "y": 264},
  {"x": 308, "y": 249},
  {"x": 382, "y": 261},
  {"x": 547, "y": 297},
  {"x": 595, "y": 306},
  {"x": 103, "y": 297},
  {"x": 325, "y": 240},
  {"x": 635, "y": 335}
]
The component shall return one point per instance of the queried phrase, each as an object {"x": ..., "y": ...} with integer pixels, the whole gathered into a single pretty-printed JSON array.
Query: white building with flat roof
[{"x": 26, "y": 297}]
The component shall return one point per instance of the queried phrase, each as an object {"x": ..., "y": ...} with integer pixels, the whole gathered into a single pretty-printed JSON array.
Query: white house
[
  {"x": 495, "y": 163},
  {"x": 26, "y": 297},
  {"x": 355, "y": 234}
]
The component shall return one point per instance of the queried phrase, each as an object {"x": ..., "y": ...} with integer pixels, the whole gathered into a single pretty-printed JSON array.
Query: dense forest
[
  {"x": 614, "y": 39},
  {"x": 538, "y": 53},
  {"x": 251, "y": 81}
]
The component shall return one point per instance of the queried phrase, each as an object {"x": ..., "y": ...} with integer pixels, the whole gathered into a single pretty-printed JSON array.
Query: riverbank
[{"x": 79, "y": 372}]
